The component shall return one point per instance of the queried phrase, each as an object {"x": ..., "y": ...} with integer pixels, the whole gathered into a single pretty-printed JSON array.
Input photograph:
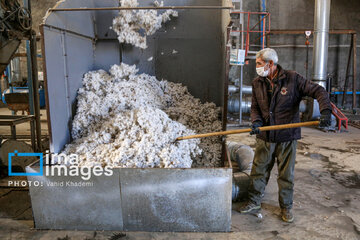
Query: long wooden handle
[{"x": 267, "y": 128}]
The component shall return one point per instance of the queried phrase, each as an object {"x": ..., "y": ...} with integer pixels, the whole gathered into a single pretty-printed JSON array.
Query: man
[{"x": 275, "y": 100}]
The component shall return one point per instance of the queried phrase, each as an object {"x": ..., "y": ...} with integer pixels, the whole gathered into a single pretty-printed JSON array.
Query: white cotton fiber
[
  {"x": 128, "y": 119},
  {"x": 132, "y": 26}
]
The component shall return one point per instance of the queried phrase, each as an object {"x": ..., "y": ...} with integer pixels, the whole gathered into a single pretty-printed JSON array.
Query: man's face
[{"x": 260, "y": 62}]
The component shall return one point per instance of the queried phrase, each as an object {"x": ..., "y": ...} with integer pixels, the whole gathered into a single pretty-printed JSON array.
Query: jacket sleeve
[
  {"x": 308, "y": 88},
  {"x": 255, "y": 109}
]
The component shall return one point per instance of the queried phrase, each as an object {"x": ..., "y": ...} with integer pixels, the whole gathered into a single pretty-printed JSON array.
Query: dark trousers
[{"x": 264, "y": 160}]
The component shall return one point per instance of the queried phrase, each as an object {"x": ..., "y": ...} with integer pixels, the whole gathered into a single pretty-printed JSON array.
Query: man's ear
[{"x": 271, "y": 63}]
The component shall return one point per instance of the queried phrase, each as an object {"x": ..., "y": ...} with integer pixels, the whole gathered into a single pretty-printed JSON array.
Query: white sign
[{"x": 237, "y": 57}]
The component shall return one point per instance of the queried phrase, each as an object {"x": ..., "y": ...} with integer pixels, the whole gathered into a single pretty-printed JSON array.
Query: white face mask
[{"x": 261, "y": 72}]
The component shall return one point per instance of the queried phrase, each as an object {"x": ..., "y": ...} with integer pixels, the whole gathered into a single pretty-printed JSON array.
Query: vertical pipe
[
  {"x": 224, "y": 153},
  {"x": 8, "y": 71},
  {"x": 32, "y": 134},
  {"x": 9, "y": 79},
  {"x": 45, "y": 83},
  {"x": 13, "y": 132},
  {"x": 307, "y": 61},
  {"x": 263, "y": 33},
  {"x": 27, "y": 4},
  {"x": 321, "y": 41},
  {"x": 262, "y": 25},
  {"x": 29, "y": 80},
  {"x": 354, "y": 71},
  {"x": 226, "y": 81},
  {"x": 240, "y": 94},
  {"x": 242, "y": 66},
  {"x": 31, "y": 57},
  {"x": 247, "y": 35},
  {"x": 242, "y": 20},
  {"x": 35, "y": 85}
]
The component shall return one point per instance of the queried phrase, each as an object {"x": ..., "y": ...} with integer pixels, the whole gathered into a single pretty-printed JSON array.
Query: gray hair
[{"x": 268, "y": 54}]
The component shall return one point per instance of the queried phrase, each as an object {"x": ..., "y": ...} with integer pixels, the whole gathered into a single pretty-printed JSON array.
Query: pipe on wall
[
  {"x": 321, "y": 41},
  {"x": 235, "y": 89},
  {"x": 233, "y": 104}
]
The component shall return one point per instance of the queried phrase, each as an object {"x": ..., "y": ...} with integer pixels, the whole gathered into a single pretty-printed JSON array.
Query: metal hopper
[{"x": 74, "y": 43}]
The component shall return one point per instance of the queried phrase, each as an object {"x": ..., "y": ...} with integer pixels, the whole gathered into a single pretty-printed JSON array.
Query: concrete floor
[{"x": 326, "y": 199}]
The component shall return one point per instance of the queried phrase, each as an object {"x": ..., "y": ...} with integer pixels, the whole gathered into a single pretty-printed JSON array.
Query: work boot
[
  {"x": 249, "y": 207},
  {"x": 287, "y": 215}
]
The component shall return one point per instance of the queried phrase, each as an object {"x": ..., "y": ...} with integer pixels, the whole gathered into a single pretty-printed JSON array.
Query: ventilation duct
[{"x": 321, "y": 41}]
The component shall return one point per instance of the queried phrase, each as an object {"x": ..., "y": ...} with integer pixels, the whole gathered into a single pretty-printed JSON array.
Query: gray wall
[{"x": 299, "y": 14}]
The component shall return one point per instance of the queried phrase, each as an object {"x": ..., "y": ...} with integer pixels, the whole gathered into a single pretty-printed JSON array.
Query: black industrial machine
[{"x": 15, "y": 25}]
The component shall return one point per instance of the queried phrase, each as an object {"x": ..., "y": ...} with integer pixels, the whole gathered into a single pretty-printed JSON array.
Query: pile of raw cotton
[
  {"x": 128, "y": 119},
  {"x": 141, "y": 137},
  {"x": 132, "y": 26}
]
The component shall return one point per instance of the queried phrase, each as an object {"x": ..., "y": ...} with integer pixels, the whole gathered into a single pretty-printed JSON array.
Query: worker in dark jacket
[{"x": 276, "y": 98}]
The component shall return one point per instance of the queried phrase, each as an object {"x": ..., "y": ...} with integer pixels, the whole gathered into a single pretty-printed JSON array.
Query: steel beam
[
  {"x": 139, "y": 8},
  {"x": 35, "y": 88},
  {"x": 354, "y": 70},
  {"x": 347, "y": 71},
  {"x": 302, "y": 31}
]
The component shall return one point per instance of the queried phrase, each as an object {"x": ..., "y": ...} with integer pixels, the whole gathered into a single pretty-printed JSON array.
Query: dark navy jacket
[{"x": 291, "y": 87}]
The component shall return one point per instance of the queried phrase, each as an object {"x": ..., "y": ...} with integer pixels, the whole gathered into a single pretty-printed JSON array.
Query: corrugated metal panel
[
  {"x": 68, "y": 57},
  {"x": 57, "y": 90}
]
